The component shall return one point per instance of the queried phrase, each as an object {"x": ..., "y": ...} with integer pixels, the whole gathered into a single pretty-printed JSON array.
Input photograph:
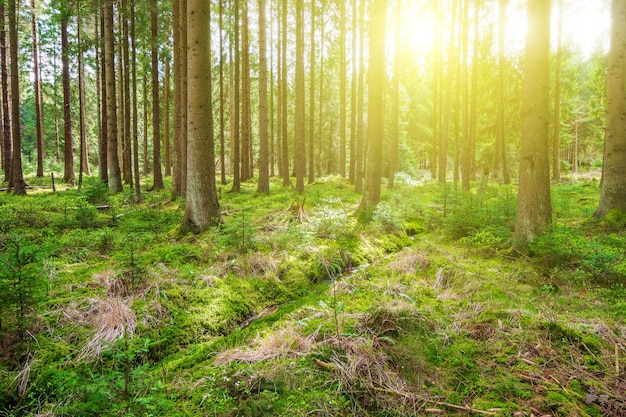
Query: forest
[{"x": 313, "y": 208}]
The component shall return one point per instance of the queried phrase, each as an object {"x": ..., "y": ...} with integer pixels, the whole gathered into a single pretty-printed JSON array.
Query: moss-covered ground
[{"x": 296, "y": 307}]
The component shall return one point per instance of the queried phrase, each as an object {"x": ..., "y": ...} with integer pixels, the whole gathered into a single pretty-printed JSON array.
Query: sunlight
[{"x": 417, "y": 29}]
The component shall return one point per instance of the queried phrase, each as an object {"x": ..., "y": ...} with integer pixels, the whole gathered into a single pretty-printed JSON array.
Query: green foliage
[{"x": 95, "y": 191}]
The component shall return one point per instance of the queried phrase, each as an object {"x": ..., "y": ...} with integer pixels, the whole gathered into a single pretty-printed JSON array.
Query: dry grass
[
  {"x": 115, "y": 286},
  {"x": 285, "y": 343},
  {"x": 409, "y": 261},
  {"x": 113, "y": 318}
]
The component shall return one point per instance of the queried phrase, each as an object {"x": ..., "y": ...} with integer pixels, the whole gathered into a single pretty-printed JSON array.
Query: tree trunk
[
  {"x": 17, "y": 176},
  {"x": 534, "y": 206},
  {"x": 311, "y": 159},
  {"x": 285, "y": 139},
  {"x": 183, "y": 98},
  {"x": 135, "y": 115},
  {"x": 613, "y": 192},
  {"x": 84, "y": 159},
  {"x": 236, "y": 139},
  {"x": 202, "y": 207},
  {"x": 177, "y": 172},
  {"x": 115, "y": 176},
  {"x": 101, "y": 98},
  {"x": 126, "y": 137},
  {"x": 246, "y": 109},
  {"x": 7, "y": 142},
  {"x": 68, "y": 161},
  {"x": 41, "y": 149},
  {"x": 264, "y": 178},
  {"x": 353, "y": 95},
  {"x": 156, "y": 105},
  {"x": 375, "y": 106},
  {"x": 360, "y": 137},
  {"x": 556, "y": 124},
  {"x": 166, "y": 120},
  {"x": 342, "y": 89},
  {"x": 299, "y": 122},
  {"x": 222, "y": 125},
  {"x": 395, "y": 105}
]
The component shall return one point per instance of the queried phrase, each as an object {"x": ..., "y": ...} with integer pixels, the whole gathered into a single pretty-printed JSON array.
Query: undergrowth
[{"x": 294, "y": 307}]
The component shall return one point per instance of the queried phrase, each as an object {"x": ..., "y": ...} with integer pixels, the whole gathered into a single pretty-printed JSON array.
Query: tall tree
[
  {"x": 103, "y": 166},
  {"x": 342, "y": 89},
  {"x": 7, "y": 141},
  {"x": 176, "y": 174},
  {"x": 84, "y": 157},
  {"x": 17, "y": 175},
  {"x": 534, "y": 206},
  {"x": 556, "y": 124},
  {"x": 41, "y": 149},
  {"x": 135, "y": 116},
  {"x": 395, "y": 103},
  {"x": 299, "y": 119},
  {"x": 236, "y": 154},
  {"x": 501, "y": 157},
  {"x": 613, "y": 192},
  {"x": 202, "y": 208},
  {"x": 311, "y": 158},
  {"x": 184, "y": 88},
  {"x": 285, "y": 139},
  {"x": 353, "y": 94},
  {"x": 157, "y": 173},
  {"x": 124, "y": 107},
  {"x": 375, "y": 107},
  {"x": 115, "y": 175},
  {"x": 68, "y": 161},
  {"x": 246, "y": 108},
  {"x": 264, "y": 177},
  {"x": 166, "y": 119},
  {"x": 360, "y": 132},
  {"x": 222, "y": 63}
]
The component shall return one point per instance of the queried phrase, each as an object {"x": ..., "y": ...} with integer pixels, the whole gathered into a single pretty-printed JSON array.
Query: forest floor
[{"x": 296, "y": 307}]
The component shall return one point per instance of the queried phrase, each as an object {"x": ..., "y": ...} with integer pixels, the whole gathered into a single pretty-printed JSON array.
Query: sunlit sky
[{"x": 585, "y": 25}]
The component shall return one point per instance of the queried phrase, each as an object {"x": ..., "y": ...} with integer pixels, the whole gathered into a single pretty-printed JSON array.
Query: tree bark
[
  {"x": 285, "y": 139},
  {"x": 264, "y": 178},
  {"x": 135, "y": 115},
  {"x": 342, "y": 89},
  {"x": 395, "y": 105},
  {"x": 311, "y": 158},
  {"x": 613, "y": 191},
  {"x": 375, "y": 106},
  {"x": 534, "y": 205},
  {"x": 299, "y": 121},
  {"x": 236, "y": 131},
  {"x": 41, "y": 149},
  {"x": 68, "y": 154},
  {"x": 84, "y": 157},
  {"x": 115, "y": 177},
  {"x": 246, "y": 109},
  {"x": 360, "y": 136},
  {"x": 17, "y": 176},
  {"x": 157, "y": 173},
  {"x": 202, "y": 208},
  {"x": 7, "y": 141},
  {"x": 102, "y": 108}
]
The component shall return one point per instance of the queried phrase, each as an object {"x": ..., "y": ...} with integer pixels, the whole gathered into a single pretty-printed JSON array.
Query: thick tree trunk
[
  {"x": 613, "y": 193},
  {"x": 534, "y": 205},
  {"x": 556, "y": 124},
  {"x": 264, "y": 178},
  {"x": 375, "y": 106},
  {"x": 115, "y": 176},
  {"x": 202, "y": 208},
  {"x": 102, "y": 108},
  {"x": 126, "y": 137}
]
